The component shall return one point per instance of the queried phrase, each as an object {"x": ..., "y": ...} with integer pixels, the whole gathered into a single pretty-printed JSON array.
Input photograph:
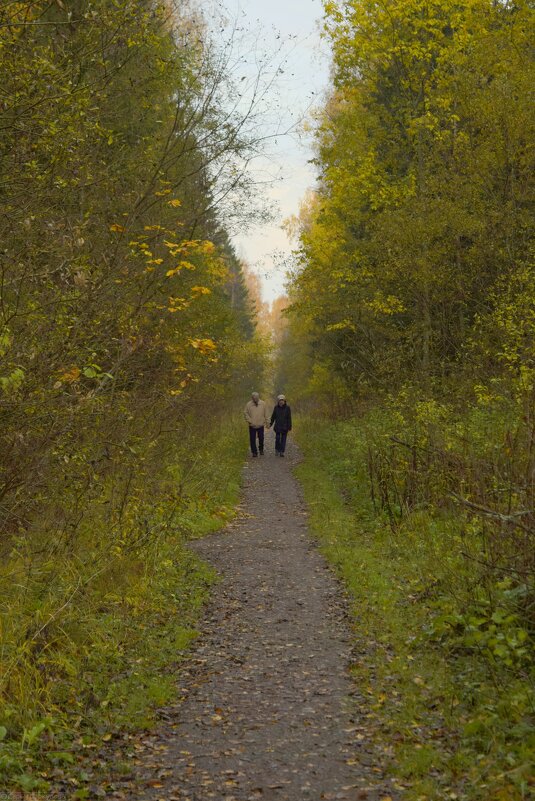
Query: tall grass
[
  {"x": 88, "y": 632},
  {"x": 444, "y": 643}
]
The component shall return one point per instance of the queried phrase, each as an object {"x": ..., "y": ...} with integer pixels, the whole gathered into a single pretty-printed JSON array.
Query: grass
[
  {"x": 111, "y": 654},
  {"x": 451, "y": 724}
]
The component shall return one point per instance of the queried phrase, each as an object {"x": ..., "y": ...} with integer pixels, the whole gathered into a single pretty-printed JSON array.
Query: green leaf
[
  {"x": 89, "y": 372},
  {"x": 61, "y": 756},
  {"x": 31, "y": 735}
]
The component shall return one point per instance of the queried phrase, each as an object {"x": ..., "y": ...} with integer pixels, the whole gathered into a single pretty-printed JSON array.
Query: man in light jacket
[{"x": 256, "y": 415}]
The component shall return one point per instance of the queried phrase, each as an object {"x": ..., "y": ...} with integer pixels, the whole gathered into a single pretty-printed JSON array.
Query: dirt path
[{"x": 270, "y": 710}]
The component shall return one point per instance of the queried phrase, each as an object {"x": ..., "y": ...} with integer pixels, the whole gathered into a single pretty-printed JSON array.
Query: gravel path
[{"x": 270, "y": 710}]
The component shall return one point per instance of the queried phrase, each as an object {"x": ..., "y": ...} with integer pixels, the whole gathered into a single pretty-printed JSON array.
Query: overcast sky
[{"x": 290, "y": 31}]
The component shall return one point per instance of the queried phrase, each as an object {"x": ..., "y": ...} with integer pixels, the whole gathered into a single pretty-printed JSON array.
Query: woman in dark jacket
[{"x": 282, "y": 417}]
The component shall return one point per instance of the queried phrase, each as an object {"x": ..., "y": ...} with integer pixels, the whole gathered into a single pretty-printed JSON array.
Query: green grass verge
[
  {"x": 450, "y": 723},
  {"x": 111, "y": 654}
]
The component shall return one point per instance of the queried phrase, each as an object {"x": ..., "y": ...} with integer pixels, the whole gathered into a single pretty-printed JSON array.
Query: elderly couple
[{"x": 256, "y": 416}]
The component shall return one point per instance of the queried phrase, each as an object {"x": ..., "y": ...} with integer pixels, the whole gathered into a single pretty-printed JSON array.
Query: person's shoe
[
  {"x": 255, "y": 455},
  {"x": 282, "y": 453},
  {"x": 261, "y": 453}
]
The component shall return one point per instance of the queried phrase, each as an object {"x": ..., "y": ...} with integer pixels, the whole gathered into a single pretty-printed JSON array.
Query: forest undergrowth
[
  {"x": 116, "y": 627},
  {"x": 442, "y": 646}
]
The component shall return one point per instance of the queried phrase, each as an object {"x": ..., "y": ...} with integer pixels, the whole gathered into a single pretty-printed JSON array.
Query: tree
[
  {"x": 124, "y": 318},
  {"x": 424, "y": 186}
]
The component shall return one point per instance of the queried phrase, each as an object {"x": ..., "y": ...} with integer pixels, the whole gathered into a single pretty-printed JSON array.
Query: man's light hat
[{"x": 281, "y": 397}]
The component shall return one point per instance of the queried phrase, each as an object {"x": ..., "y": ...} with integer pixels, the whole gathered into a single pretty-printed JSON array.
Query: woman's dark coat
[{"x": 282, "y": 417}]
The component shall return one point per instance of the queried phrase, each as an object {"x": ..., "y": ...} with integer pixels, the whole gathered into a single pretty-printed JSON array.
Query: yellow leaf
[
  {"x": 186, "y": 265},
  {"x": 345, "y": 324},
  {"x": 71, "y": 375},
  {"x": 117, "y": 227},
  {"x": 174, "y": 202},
  {"x": 204, "y": 346}
]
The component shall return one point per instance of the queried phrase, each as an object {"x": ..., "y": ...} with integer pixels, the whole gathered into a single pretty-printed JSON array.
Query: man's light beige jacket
[{"x": 256, "y": 414}]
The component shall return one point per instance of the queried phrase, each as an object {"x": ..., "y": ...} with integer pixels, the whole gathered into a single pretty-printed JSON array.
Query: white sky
[{"x": 293, "y": 27}]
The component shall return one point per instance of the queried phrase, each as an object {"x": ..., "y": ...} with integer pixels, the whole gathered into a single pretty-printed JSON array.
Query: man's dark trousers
[
  {"x": 280, "y": 441},
  {"x": 253, "y": 433}
]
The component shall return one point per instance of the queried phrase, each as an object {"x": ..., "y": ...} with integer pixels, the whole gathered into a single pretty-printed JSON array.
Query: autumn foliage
[
  {"x": 124, "y": 320},
  {"x": 412, "y": 318}
]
